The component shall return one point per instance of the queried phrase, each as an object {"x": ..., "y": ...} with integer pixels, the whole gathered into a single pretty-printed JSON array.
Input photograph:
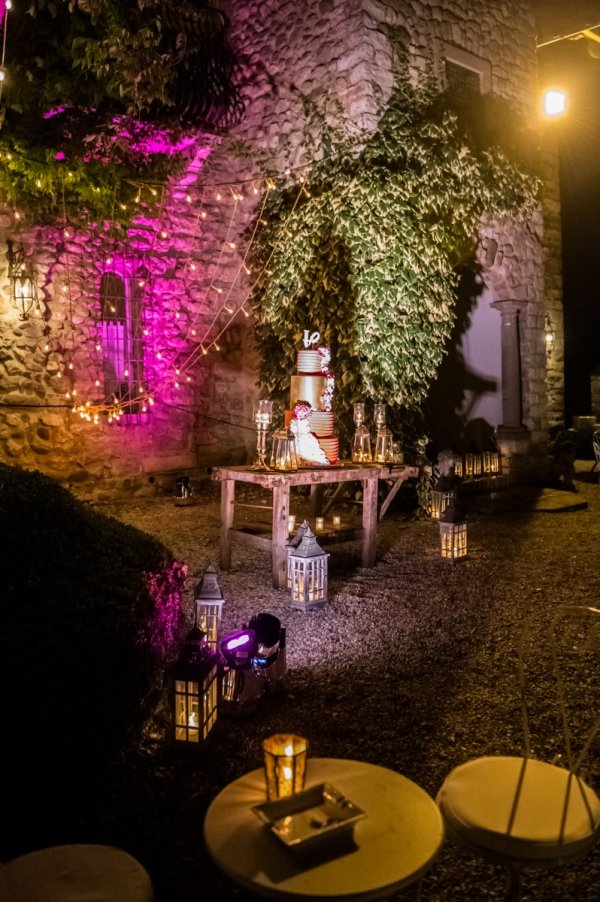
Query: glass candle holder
[
  {"x": 337, "y": 520},
  {"x": 262, "y": 415},
  {"x": 379, "y": 415},
  {"x": 359, "y": 414},
  {"x": 285, "y": 764},
  {"x": 361, "y": 446},
  {"x": 319, "y": 523}
]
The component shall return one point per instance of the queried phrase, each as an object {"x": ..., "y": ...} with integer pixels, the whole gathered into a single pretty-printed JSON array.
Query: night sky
[{"x": 569, "y": 62}]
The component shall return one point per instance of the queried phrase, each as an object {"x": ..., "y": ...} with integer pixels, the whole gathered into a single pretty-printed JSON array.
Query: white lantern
[
  {"x": 307, "y": 572},
  {"x": 209, "y": 603},
  {"x": 195, "y": 692}
]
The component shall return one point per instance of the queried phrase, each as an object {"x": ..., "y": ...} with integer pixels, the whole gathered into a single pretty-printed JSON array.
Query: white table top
[{"x": 396, "y": 843}]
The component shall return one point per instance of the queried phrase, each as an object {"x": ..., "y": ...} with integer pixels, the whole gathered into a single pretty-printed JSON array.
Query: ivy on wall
[{"x": 368, "y": 255}]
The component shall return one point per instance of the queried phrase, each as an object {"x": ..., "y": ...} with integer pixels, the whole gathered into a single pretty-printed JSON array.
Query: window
[
  {"x": 466, "y": 76},
  {"x": 121, "y": 308}
]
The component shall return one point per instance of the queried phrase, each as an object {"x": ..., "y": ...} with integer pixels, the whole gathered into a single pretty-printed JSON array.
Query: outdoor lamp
[
  {"x": 270, "y": 655},
  {"x": 182, "y": 494},
  {"x": 285, "y": 764},
  {"x": 453, "y": 533},
  {"x": 23, "y": 287},
  {"x": 554, "y": 103},
  {"x": 195, "y": 691},
  {"x": 243, "y": 682},
  {"x": 549, "y": 335},
  {"x": 209, "y": 603},
  {"x": 442, "y": 494},
  {"x": 283, "y": 450},
  {"x": 307, "y": 572}
]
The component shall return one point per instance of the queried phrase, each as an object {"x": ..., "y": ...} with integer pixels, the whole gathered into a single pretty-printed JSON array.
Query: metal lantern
[
  {"x": 477, "y": 464},
  {"x": 291, "y": 543},
  {"x": 23, "y": 287},
  {"x": 285, "y": 764},
  {"x": 442, "y": 495},
  {"x": 209, "y": 603},
  {"x": 283, "y": 450},
  {"x": 459, "y": 468},
  {"x": 307, "y": 569},
  {"x": 384, "y": 446},
  {"x": 453, "y": 533},
  {"x": 195, "y": 691}
]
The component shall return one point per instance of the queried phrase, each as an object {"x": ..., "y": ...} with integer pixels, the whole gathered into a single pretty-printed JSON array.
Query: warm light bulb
[{"x": 554, "y": 103}]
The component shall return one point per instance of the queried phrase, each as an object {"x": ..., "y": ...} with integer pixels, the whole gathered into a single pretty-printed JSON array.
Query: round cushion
[
  {"x": 477, "y": 798},
  {"x": 75, "y": 873}
]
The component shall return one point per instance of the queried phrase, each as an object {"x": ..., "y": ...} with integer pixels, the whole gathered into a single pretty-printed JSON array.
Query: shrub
[{"x": 90, "y": 608}]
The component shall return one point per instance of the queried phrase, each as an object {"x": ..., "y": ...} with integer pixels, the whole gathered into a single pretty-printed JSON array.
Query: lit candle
[
  {"x": 319, "y": 523},
  {"x": 337, "y": 520}
]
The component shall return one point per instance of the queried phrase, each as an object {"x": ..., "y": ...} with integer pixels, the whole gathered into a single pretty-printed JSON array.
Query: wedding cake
[{"x": 311, "y": 414}]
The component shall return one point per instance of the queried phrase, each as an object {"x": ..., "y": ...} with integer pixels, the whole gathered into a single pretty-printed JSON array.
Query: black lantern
[
  {"x": 23, "y": 287},
  {"x": 442, "y": 494},
  {"x": 453, "y": 533},
  {"x": 183, "y": 495},
  {"x": 195, "y": 691}
]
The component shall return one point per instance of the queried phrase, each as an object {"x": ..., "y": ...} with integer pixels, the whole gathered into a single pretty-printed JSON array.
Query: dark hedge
[{"x": 81, "y": 669}]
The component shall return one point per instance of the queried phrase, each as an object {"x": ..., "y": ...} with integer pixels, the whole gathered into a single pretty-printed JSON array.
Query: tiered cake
[{"x": 311, "y": 414}]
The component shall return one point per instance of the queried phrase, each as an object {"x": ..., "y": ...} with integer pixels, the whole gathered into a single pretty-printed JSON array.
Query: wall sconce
[
  {"x": 195, "y": 691},
  {"x": 209, "y": 603},
  {"x": 23, "y": 287},
  {"x": 549, "y": 335}
]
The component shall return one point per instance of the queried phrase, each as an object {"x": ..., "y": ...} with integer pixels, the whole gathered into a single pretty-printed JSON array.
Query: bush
[{"x": 90, "y": 609}]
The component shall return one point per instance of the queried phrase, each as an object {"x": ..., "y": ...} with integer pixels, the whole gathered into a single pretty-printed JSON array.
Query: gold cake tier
[{"x": 307, "y": 388}]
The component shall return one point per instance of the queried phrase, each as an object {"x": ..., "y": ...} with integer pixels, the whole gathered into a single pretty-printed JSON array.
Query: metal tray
[{"x": 318, "y": 819}]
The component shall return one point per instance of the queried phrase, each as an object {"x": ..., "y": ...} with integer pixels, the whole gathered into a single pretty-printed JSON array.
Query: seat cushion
[
  {"x": 476, "y": 800},
  {"x": 75, "y": 873}
]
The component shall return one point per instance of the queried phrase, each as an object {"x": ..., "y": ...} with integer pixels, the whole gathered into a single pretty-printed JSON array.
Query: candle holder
[
  {"x": 384, "y": 443},
  {"x": 283, "y": 450},
  {"x": 285, "y": 764},
  {"x": 359, "y": 414},
  {"x": 262, "y": 415},
  {"x": 361, "y": 445},
  {"x": 337, "y": 520},
  {"x": 319, "y": 523}
]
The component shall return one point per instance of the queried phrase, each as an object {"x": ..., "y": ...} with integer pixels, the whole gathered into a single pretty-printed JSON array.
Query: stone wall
[{"x": 338, "y": 55}]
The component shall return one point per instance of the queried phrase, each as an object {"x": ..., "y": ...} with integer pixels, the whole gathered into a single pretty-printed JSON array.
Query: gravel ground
[{"x": 411, "y": 665}]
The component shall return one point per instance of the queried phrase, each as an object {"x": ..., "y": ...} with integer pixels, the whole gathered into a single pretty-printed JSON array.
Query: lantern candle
[
  {"x": 319, "y": 522},
  {"x": 337, "y": 520},
  {"x": 285, "y": 764}
]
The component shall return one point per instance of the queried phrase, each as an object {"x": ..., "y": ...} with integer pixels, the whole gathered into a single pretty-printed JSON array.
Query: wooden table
[
  {"x": 280, "y": 484},
  {"x": 394, "y": 845}
]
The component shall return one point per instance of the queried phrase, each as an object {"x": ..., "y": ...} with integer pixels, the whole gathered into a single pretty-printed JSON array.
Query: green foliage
[
  {"x": 104, "y": 68},
  {"x": 80, "y": 668},
  {"x": 368, "y": 253}
]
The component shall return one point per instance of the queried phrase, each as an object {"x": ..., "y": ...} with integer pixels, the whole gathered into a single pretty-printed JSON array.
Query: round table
[
  {"x": 395, "y": 844},
  {"x": 75, "y": 873}
]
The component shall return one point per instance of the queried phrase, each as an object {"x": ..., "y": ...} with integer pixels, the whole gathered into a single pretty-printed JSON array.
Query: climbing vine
[{"x": 368, "y": 254}]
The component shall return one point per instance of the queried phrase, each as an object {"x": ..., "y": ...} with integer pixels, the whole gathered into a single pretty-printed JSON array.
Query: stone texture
[{"x": 335, "y": 50}]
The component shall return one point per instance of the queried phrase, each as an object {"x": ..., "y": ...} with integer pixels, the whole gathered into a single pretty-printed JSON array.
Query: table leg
[
  {"x": 227, "y": 510},
  {"x": 391, "y": 494},
  {"x": 316, "y": 500},
  {"x": 369, "y": 522},
  {"x": 281, "y": 510}
]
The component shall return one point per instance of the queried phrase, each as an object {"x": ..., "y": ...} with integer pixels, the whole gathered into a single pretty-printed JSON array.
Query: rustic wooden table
[{"x": 280, "y": 483}]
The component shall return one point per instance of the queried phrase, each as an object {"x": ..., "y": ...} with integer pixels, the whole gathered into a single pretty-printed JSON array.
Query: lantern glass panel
[
  {"x": 285, "y": 764},
  {"x": 209, "y": 619},
  {"x": 453, "y": 540},
  {"x": 361, "y": 445}
]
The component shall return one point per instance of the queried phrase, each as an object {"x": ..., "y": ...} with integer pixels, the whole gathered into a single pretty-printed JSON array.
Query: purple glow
[
  {"x": 238, "y": 640},
  {"x": 147, "y": 139},
  {"x": 165, "y": 587},
  {"x": 55, "y": 111},
  {"x": 59, "y": 155}
]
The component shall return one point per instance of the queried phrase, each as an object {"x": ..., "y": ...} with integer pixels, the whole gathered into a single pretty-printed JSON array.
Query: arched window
[{"x": 121, "y": 301}]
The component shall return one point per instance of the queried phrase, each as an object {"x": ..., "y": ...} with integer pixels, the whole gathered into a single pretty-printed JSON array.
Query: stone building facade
[{"x": 182, "y": 267}]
